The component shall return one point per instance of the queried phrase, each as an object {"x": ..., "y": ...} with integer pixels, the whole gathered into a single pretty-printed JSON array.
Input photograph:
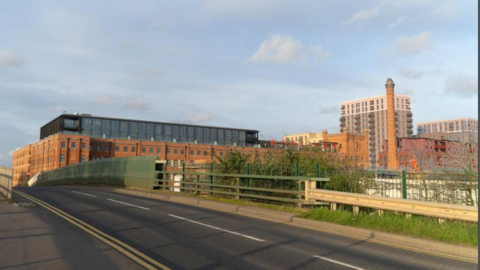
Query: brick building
[{"x": 426, "y": 152}]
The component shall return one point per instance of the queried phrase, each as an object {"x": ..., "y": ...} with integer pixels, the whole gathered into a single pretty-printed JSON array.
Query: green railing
[{"x": 280, "y": 190}]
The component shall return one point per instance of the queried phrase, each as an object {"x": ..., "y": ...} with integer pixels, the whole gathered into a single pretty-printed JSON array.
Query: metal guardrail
[
  {"x": 6, "y": 179},
  {"x": 430, "y": 209},
  {"x": 285, "y": 190}
]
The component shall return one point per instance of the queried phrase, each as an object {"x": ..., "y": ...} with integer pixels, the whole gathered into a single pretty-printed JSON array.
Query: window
[
  {"x": 134, "y": 149},
  {"x": 182, "y": 152},
  {"x": 401, "y": 159},
  {"x": 106, "y": 148},
  {"x": 84, "y": 146},
  {"x": 175, "y": 163},
  {"x": 205, "y": 153},
  {"x": 125, "y": 149},
  {"x": 158, "y": 151},
  {"x": 98, "y": 148},
  {"x": 175, "y": 151},
  {"x": 151, "y": 150},
  {"x": 82, "y": 158},
  {"x": 144, "y": 150},
  {"x": 62, "y": 145},
  {"x": 90, "y": 147},
  {"x": 117, "y": 148},
  {"x": 192, "y": 152},
  {"x": 221, "y": 154},
  {"x": 199, "y": 153},
  {"x": 169, "y": 151},
  {"x": 73, "y": 145},
  {"x": 62, "y": 158},
  {"x": 168, "y": 162}
]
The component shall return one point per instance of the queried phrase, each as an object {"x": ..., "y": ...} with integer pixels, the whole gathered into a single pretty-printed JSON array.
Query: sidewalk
[{"x": 33, "y": 238}]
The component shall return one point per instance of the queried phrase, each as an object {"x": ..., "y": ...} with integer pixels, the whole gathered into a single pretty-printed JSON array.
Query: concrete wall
[{"x": 6, "y": 176}]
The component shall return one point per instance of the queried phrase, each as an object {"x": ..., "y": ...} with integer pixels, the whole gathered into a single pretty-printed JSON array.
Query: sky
[{"x": 280, "y": 67}]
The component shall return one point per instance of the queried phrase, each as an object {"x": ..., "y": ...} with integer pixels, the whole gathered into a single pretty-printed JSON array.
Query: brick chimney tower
[{"x": 391, "y": 128}]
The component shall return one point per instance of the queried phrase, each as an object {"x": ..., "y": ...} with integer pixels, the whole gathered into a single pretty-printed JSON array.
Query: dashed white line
[
  {"x": 129, "y": 204},
  {"x": 85, "y": 194},
  {"x": 337, "y": 262},
  {"x": 216, "y": 228}
]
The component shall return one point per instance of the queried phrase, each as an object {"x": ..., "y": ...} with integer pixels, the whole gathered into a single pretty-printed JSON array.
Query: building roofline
[
  {"x": 146, "y": 121},
  {"x": 446, "y": 120},
  {"x": 400, "y": 95}
]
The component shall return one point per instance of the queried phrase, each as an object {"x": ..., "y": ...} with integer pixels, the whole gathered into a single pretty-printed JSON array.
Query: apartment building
[
  {"x": 371, "y": 115},
  {"x": 458, "y": 125}
]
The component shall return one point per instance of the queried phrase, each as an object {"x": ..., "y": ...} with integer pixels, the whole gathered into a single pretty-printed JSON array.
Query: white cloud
[
  {"x": 329, "y": 110},
  {"x": 362, "y": 15},
  {"x": 399, "y": 21},
  {"x": 462, "y": 85},
  {"x": 415, "y": 44},
  {"x": 447, "y": 10},
  {"x": 8, "y": 58},
  {"x": 411, "y": 74},
  {"x": 280, "y": 49},
  {"x": 105, "y": 100},
  {"x": 137, "y": 105},
  {"x": 197, "y": 118}
]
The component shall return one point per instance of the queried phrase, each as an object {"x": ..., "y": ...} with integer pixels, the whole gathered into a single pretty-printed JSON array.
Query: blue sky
[{"x": 276, "y": 66}]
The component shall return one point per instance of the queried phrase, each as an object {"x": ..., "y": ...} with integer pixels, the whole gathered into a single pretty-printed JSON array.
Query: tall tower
[{"x": 391, "y": 125}]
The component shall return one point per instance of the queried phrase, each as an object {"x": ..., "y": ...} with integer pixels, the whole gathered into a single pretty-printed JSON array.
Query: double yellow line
[{"x": 121, "y": 247}]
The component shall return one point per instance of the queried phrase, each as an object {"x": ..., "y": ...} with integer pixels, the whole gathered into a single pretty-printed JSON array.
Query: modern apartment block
[
  {"x": 370, "y": 115},
  {"x": 459, "y": 125}
]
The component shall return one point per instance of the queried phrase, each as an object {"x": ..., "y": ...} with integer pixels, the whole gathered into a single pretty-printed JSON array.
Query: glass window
[
  {"x": 125, "y": 149},
  {"x": 168, "y": 162},
  {"x": 62, "y": 158},
  {"x": 169, "y": 151},
  {"x": 199, "y": 153},
  {"x": 106, "y": 148},
  {"x": 175, "y": 151},
  {"x": 158, "y": 150},
  {"x": 175, "y": 163},
  {"x": 134, "y": 149},
  {"x": 144, "y": 150},
  {"x": 74, "y": 145},
  {"x": 151, "y": 150},
  {"x": 182, "y": 152},
  {"x": 90, "y": 147},
  {"x": 98, "y": 148},
  {"x": 117, "y": 148},
  {"x": 192, "y": 152},
  {"x": 62, "y": 144},
  {"x": 84, "y": 146},
  {"x": 205, "y": 153},
  {"x": 221, "y": 154},
  {"x": 82, "y": 158}
]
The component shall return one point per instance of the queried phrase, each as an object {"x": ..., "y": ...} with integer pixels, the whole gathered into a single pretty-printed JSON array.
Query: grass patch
[{"x": 452, "y": 232}]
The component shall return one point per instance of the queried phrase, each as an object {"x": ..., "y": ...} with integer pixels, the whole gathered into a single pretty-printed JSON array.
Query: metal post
[
  {"x": 211, "y": 179},
  {"x": 318, "y": 183},
  {"x": 404, "y": 184},
  {"x": 183, "y": 177},
  {"x": 297, "y": 173},
  {"x": 323, "y": 176}
]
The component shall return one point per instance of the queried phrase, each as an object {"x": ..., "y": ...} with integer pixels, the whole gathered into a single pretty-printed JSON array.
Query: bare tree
[{"x": 462, "y": 158}]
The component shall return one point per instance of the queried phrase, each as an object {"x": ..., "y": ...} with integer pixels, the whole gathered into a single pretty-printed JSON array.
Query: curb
[{"x": 399, "y": 241}]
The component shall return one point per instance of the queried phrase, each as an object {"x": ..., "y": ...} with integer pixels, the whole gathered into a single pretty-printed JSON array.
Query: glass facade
[{"x": 97, "y": 127}]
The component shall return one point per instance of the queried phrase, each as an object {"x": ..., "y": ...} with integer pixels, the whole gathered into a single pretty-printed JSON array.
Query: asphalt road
[{"x": 187, "y": 237}]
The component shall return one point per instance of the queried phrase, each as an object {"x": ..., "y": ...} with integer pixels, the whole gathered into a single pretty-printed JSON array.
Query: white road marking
[
  {"x": 216, "y": 228},
  {"x": 85, "y": 194},
  {"x": 129, "y": 204},
  {"x": 337, "y": 262}
]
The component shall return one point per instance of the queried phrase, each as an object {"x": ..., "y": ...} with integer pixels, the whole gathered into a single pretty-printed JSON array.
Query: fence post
[
  {"x": 297, "y": 173},
  {"x": 323, "y": 176},
  {"x": 211, "y": 178},
  {"x": 318, "y": 183},
  {"x": 404, "y": 184},
  {"x": 248, "y": 172},
  {"x": 183, "y": 177}
]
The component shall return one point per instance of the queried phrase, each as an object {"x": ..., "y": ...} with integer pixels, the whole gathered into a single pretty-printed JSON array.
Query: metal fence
[
  {"x": 245, "y": 184},
  {"x": 450, "y": 188},
  {"x": 6, "y": 179}
]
